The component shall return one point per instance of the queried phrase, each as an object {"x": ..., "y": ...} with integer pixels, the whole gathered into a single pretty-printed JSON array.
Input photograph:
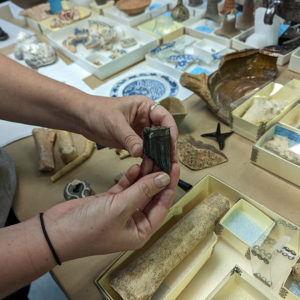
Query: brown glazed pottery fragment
[
  {"x": 132, "y": 7},
  {"x": 239, "y": 74}
]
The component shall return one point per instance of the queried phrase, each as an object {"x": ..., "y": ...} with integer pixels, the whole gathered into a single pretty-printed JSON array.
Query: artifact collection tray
[
  {"x": 239, "y": 43},
  {"x": 205, "y": 28},
  {"x": 264, "y": 109},
  {"x": 44, "y": 26},
  {"x": 164, "y": 28},
  {"x": 102, "y": 46},
  {"x": 232, "y": 268},
  {"x": 187, "y": 54},
  {"x": 156, "y": 8},
  {"x": 292, "y": 119},
  {"x": 278, "y": 151}
]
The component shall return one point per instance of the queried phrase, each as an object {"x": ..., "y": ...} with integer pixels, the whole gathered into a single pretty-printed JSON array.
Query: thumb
[
  {"x": 137, "y": 196},
  {"x": 129, "y": 139}
]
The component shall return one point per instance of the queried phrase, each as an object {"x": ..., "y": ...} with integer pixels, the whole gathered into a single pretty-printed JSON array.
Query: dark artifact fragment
[
  {"x": 184, "y": 185},
  {"x": 3, "y": 35},
  {"x": 77, "y": 189},
  {"x": 220, "y": 137},
  {"x": 157, "y": 146}
]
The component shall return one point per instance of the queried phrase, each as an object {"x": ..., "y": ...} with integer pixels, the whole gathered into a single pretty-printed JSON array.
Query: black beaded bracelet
[{"x": 48, "y": 240}]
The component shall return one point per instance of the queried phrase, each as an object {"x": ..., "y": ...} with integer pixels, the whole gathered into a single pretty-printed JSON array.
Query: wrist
[{"x": 37, "y": 249}]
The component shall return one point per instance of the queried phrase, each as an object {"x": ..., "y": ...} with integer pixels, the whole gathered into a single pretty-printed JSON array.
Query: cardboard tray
[
  {"x": 223, "y": 258},
  {"x": 292, "y": 119},
  {"x": 194, "y": 68},
  {"x": 177, "y": 29},
  {"x": 272, "y": 162},
  {"x": 239, "y": 43},
  {"x": 294, "y": 64},
  {"x": 85, "y": 57},
  {"x": 290, "y": 92},
  {"x": 191, "y": 29},
  {"x": 44, "y": 27},
  {"x": 156, "y": 8},
  {"x": 237, "y": 284},
  {"x": 255, "y": 224}
]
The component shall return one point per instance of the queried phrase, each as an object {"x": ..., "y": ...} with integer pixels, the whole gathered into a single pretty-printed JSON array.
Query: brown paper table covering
[{"x": 36, "y": 192}]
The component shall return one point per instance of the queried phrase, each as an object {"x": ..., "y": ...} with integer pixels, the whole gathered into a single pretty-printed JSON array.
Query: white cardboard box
[
  {"x": 85, "y": 57},
  {"x": 156, "y": 8}
]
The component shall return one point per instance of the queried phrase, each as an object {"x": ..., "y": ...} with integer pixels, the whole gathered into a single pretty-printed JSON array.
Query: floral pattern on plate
[{"x": 154, "y": 85}]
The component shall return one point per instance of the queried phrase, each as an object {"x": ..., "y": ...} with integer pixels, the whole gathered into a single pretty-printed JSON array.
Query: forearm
[
  {"x": 31, "y": 98},
  {"x": 24, "y": 255}
]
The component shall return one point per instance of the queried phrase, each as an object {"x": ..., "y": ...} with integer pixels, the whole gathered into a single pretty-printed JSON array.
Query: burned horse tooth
[{"x": 157, "y": 146}]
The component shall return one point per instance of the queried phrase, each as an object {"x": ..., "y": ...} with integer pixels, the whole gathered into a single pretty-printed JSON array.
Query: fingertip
[
  {"x": 136, "y": 150},
  {"x": 162, "y": 180}
]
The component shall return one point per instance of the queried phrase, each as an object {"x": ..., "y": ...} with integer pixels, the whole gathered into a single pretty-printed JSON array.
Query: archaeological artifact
[
  {"x": 197, "y": 155},
  {"x": 157, "y": 146},
  {"x": 141, "y": 278},
  {"x": 239, "y": 73}
]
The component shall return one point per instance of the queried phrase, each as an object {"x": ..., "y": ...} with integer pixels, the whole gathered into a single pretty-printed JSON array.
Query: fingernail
[
  {"x": 162, "y": 180},
  {"x": 135, "y": 148}
]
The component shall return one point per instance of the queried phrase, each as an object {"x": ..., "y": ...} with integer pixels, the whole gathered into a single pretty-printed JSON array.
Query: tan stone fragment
[
  {"x": 66, "y": 146},
  {"x": 280, "y": 145},
  {"x": 44, "y": 141},
  {"x": 197, "y": 155},
  {"x": 141, "y": 278}
]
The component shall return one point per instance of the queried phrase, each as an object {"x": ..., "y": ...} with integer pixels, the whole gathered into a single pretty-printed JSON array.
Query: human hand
[
  {"x": 119, "y": 122},
  {"x": 123, "y": 218}
]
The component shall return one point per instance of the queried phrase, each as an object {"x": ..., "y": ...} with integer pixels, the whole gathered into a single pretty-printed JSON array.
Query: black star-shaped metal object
[{"x": 220, "y": 137}]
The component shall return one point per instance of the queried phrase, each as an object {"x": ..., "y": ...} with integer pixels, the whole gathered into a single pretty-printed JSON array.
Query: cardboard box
[
  {"x": 44, "y": 26},
  {"x": 273, "y": 162},
  {"x": 292, "y": 119},
  {"x": 87, "y": 58},
  {"x": 237, "y": 285},
  {"x": 273, "y": 91},
  {"x": 244, "y": 224},
  {"x": 163, "y": 28},
  {"x": 195, "y": 27},
  {"x": 239, "y": 43},
  {"x": 156, "y": 8},
  {"x": 209, "y": 280},
  {"x": 160, "y": 59}
]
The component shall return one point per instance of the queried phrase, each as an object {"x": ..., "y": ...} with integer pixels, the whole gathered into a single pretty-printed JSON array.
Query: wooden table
[{"x": 36, "y": 193}]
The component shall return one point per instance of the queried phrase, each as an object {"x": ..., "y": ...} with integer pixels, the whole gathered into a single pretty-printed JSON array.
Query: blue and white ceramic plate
[{"x": 154, "y": 85}]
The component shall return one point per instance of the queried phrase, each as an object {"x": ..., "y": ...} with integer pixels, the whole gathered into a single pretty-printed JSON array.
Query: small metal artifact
[
  {"x": 77, "y": 189},
  {"x": 220, "y": 137},
  {"x": 157, "y": 146}
]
